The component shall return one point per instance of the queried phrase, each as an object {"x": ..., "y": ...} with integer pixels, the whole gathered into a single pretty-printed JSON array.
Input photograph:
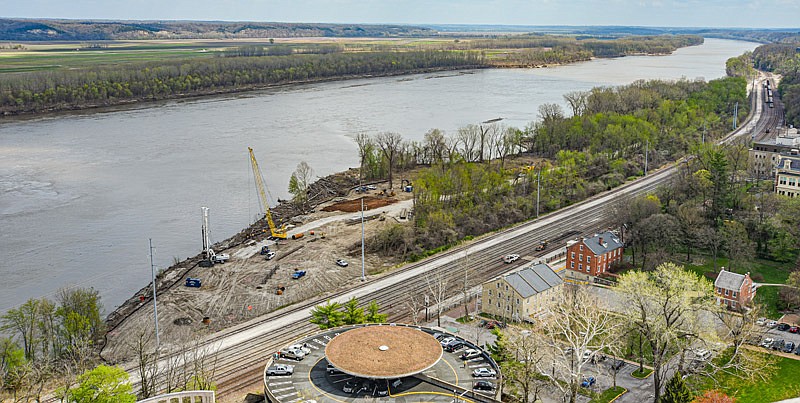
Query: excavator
[{"x": 277, "y": 233}]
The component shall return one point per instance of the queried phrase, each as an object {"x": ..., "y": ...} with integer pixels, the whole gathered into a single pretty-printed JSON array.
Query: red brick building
[
  {"x": 589, "y": 257},
  {"x": 733, "y": 289}
]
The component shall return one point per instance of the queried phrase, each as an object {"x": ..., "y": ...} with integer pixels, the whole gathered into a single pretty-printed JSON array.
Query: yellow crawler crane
[{"x": 279, "y": 233}]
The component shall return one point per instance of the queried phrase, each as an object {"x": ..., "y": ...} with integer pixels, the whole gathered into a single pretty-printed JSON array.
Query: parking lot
[{"x": 313, "y": 380}]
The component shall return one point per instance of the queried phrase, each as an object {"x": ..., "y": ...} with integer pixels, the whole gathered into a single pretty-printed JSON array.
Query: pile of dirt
[{"x": 352, "y": 206}]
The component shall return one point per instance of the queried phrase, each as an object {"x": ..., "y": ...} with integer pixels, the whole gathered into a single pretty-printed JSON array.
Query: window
[
  {"x": 588, "y": 259},
  {"x": 782, "y": 180},
  {"x": 506, "y": 287},
  {"x": 726, "y": 292},
  {"x": 498, "y": 304},
  {"x": 580, "y": 257},
  {"x": 489, "y": 302},
  {"x": 581, "y": 247},
  {"x": 580, "y": 267},
  {"x": 517, "y": 301},
  {"x": 573, "y": 255},
  {"x": 734, "y": 294},
  {"x": 571, "y": 265},
  {"x": 490, "y": 293}
]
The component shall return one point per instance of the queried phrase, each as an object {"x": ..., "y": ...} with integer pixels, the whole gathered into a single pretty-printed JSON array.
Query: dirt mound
[{"x": 351, "y": 206}]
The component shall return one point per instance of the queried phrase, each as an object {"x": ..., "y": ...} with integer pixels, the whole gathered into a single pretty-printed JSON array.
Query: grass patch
[
  {"x": 781, "y": 384},
  {"x": 609, "y": 395},
  {"x": 642, "y": 374}
]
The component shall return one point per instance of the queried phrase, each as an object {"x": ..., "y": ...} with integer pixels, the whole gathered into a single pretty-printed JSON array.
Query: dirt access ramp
[{"x": 352, "y": 206}]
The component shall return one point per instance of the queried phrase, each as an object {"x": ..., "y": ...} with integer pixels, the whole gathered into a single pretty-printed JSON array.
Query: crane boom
[{"x": 276, "y": 232}]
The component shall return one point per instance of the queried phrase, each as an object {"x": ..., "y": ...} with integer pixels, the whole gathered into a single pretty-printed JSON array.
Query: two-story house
[
  {"x": 589, "y": 257},
  {"x": 733, "y": 289},
  {"x": 787, "y": 174},
  {"x": 521, "y": 295}
]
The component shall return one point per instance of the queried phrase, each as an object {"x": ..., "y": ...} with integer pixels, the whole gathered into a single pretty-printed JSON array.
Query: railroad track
[{"x": 243, "y": 350}]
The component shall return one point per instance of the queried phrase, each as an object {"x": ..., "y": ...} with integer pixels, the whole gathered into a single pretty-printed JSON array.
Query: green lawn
[
  {"x": 643, "y": 374},
  {"x": 782, "y": 384},
  {"x": 608, "y": 395}
]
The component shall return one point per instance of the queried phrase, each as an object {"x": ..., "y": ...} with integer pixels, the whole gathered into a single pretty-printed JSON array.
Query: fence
[{"x": 190, "y": 396}]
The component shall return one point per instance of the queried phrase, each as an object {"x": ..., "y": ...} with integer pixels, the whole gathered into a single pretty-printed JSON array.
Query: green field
[
  {"x": 781, "y": 384},
  {"x": 72, "y": 57}
]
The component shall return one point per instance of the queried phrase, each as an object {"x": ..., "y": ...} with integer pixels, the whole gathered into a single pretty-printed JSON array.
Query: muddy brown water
[{"x": 81, "y": 193}]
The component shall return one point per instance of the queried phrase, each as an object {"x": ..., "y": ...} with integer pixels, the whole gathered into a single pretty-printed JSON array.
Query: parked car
[
  {"x": 382, "y": 388},
  {"x": 797, "y": 351},
  {"x": 439, "y": 336},
  {"x": 483, "y": 385},
  {"x": 350, "y": 386},
  {"x": 470, "y": 353},
  {"x": 332, "y": 370},
  {"x": 280, "y": 369},
  {"x": 788, "y": 347},
  {"x": 783, "y": 327},
  {"x": 778, "y": 345},
  {"x": 587, "y": 354},
  {"x": 511, "y": 258},
  {"x": 454, "y": 345},
  {"x": 446, "y": 340},
  {"x": 341, "y": 262},
  {"x": 292, "y": 353},
  {"x": 702, "y": 354},
  {"x": 761, "y": 321},
  {"x": 768, "y": 342},
  {"x": 484, "y": 372},
  {"x": 193, "y": 282},
  {"x": 617, "y": 364},
  {"x": 302, "y": 347},
  {"x": 270, "y": 255},
  {"x": 794, "y": 329},
  {"x": 772, "y": 324},
  {"x": 264, "y": 250},
  {"x": 297, "y": 274},
  {"x": 588, "y": 382}
]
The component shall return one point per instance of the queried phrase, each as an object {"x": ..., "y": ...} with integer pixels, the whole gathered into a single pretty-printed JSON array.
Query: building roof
[
  {"x": 533, "y": 280},
  {"x": 383, "y": 352},
  {"x": 610, "y": 242},
  {"x": 793, "y": 159},
  {"x": 729, "y": 280}
]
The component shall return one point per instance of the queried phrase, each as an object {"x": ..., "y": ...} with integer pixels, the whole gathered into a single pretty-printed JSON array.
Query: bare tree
[
  {"x": 389, "y": 143},
  {"x": 299, "y": 183},
  {"x": 415, "y": 306},
  {"x": 531, "y": 357},
  {"x": 435, "y": 146},
  {"x": 576, "y": 101},
  {"x": 575, "y": 331},
  {"x": 437, "y": 287},
  {"x": 468, "y": 139},
  {"x": 365, "y": 145},
  {"x": 146, "y": 362}
]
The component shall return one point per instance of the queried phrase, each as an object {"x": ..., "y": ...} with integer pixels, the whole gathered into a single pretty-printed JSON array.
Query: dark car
[
  {"x": 797, "y": 351},
  {"x": 778, "y": 345},
  {"x": 588, "y": 382},
  {"x": 617, "y": 364},
  {"x": 454, "y": 345},
  {"x": 783, "y": 327},
  {"x": 382, "y": 388},
  {"x": 789, "y": 347},
  {"x": 350, "y": 386},
  {"x": 483, "y": 385},
  {"x": 193, "y": 282}
]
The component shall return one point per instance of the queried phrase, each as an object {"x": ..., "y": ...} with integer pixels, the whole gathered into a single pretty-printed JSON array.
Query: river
[{"x": 81, "y": 193}]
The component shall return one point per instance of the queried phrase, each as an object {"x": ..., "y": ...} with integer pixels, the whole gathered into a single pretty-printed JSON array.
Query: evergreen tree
[
  {"x": 676, "y": 390},
  {"x": 327, "y": 316}
]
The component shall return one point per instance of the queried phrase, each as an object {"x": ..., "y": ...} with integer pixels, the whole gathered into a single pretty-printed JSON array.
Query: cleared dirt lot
[{"x": 246, "y": 286}]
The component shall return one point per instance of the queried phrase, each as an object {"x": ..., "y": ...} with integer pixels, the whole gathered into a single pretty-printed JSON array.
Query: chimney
[{"x": 600, "y": 241}]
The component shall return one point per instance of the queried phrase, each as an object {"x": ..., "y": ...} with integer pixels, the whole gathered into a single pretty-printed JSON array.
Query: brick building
[
  {"x": 733, "y": 289},
  {"x": 589, "y": 257}
]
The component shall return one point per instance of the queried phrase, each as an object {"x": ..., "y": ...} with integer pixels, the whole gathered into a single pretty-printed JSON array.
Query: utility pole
[
  {"x": 363, "y": 269},
  {"x": 155, "y": 303},
  {"x": 735, "y": 114},
  {"x": 646, "y": 146},
  {"x": 538, "y": 188}
]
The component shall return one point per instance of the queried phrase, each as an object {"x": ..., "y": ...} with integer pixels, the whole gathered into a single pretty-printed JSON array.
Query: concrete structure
[
  {"x": 364, "y": 363},
  {"x": 764, "y": 154},
  {"x": 523, "y": 294},
  {"x": 787, "y": 174},
  {"x": 590, "y": 257},
  {"x": 733, "y": 289}
]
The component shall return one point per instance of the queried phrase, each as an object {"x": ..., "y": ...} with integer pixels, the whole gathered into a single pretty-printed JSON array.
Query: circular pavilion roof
[{"x": 383, "y": 352}]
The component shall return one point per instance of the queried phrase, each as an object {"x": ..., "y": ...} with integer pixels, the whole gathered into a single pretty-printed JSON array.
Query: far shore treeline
[{"x": 30, "y": 88}]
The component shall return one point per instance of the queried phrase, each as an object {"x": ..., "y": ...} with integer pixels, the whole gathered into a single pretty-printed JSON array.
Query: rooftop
[
  {"x": 383, "y": 352},
  {"x": 603, "y": 243},
  {"x": 533, "y": 280},
  {"x": 729, "y": 280}
]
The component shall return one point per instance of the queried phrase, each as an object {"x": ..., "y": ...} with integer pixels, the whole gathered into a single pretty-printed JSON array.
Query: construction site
[{"x": 282, "y": 259}]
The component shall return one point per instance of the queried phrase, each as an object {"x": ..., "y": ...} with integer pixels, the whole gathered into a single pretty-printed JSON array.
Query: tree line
[
  {"x": 67, "y": 89},
  {"x": 467, "y": 189}
]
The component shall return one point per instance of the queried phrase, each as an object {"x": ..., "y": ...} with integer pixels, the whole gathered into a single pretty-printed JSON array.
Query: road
[{"x": 243, "y": 349}]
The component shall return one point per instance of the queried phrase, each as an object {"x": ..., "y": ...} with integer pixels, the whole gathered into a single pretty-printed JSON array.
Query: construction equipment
[
  {"x": 277, "y": 233},
  {"x": 541, "y": 246}
]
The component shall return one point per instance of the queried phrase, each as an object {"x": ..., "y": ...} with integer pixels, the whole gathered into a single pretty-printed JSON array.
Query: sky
[{"x": 661, "y": 13}]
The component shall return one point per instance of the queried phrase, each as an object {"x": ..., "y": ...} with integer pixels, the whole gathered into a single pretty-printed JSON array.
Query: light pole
[
  {"x": 363, "y": 269},
  {"x": 155, "y": 303}
]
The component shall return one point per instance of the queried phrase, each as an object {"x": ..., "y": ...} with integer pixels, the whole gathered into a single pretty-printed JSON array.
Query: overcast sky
[{"x": 683, "y": 13}]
